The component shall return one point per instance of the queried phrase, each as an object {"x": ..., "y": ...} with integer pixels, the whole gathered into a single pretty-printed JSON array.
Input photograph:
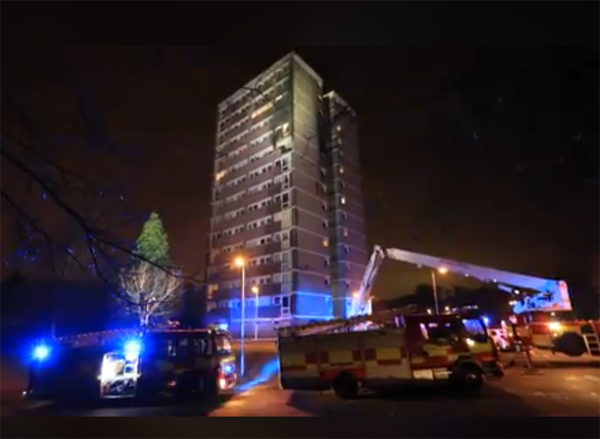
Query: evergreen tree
[{"x": 152, "y": 244}]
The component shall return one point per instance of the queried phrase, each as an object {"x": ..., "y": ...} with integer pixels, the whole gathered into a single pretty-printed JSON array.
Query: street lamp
[
  {"x": 254, "y": 289},
  {"x": 239, "y": 262},
  {"x": 441, "y": 270}
]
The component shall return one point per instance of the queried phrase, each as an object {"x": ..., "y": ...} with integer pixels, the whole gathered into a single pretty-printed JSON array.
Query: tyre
[
  {"x": 570, "y": 343},
  {"x": 210, "y": 389},
  {"x": 468, "y": 377},
  {"x": 346, "y": 386}
]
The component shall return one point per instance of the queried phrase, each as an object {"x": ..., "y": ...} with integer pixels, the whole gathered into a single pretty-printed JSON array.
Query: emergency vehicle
[
  {"x": 531, "y": 297},
  {"x": 130, "y": 363},
  {"x": 385, "y": 350},
  {"x": 558, "y": 333}
]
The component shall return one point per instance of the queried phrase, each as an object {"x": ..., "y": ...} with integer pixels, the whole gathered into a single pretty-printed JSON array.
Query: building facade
[{"x": 286, "y": 200}]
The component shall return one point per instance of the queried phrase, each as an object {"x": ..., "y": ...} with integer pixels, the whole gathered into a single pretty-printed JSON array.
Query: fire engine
[
  {"x": 557, "y": 333},
  {"x": 132, "y": 363},
  {"x": 375, "y": 351},
  {"x": 536, "y": 301},
  {"x": 384, "y": 350}
]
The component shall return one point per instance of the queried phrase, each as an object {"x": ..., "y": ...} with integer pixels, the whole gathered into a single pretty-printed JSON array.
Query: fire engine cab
[{"x": 385, "y": 350}]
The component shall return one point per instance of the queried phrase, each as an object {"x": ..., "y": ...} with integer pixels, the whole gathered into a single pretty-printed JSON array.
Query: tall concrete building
[{"x": 286, "y": 200}]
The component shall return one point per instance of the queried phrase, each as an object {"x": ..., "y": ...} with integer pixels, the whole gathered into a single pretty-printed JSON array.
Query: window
[
  {"x": 261, "y": 110},
  {"x": 223, "y": 344},
  {"x": 346, "y": 249},
  {"x": 284, "y": 128},
  {"x": 338, "y": 128},
  {"x": 285, "y": 301},
  {"x": 326, "y": 262},
  {"x": 343, "y": 200},
  {"x": 326, "y": 242},
  {"x": 341, "y": 169},
  {"x": 219, "y": 176},
  {"x": 285, "y": 201},
  {"x": 345, "y": 231},
  {"x": 474, "y": 328},
  {"x": 325, "y": 224},
  {"x": 327, "y": 282}
]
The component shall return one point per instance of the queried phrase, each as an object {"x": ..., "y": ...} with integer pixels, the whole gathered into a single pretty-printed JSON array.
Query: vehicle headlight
[
  {"x": 109, "y": 369},
  {"x": 554, "y": 326},
  {"x": 470, "y": 342}
]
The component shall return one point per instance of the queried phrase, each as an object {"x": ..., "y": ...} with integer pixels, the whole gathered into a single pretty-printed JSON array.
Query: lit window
[
  {"x": 261, "y": 110},
  {"x": 341, "y": 169},
  {"x": 345, "y": 230},
  {"x": 343, "y": 200},
  {"x": 338, "y": 128},
  {"x": 326, "y": 243},
  {"x": 219, "y": 175}
]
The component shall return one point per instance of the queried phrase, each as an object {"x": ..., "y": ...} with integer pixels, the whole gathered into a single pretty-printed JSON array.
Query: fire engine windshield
[
  {"x": 223, "y": 344},
  {"x": 442, "y": 331},
  {"x": 475, "y": 329},
  {"x": 181, "y": 344}
]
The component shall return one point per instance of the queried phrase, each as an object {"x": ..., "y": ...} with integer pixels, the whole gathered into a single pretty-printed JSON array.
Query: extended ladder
[{"x": 340, "y": 325}]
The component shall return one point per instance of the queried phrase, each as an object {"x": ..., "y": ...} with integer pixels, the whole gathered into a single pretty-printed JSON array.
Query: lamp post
[
  {"x": 441, "y": 270},
  {"x": 239, "y": 262},
  {"x": 255, "y": 291}
]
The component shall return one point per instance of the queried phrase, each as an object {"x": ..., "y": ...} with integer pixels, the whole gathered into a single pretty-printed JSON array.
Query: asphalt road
[
  {"x": 553, "y": 390},
  {"x": 260, "y": 368}
]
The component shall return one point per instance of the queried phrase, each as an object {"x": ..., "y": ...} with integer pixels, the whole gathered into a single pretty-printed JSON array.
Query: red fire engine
[
  {"x": 385, "y": 350},
  {"x": 535, "y": 301}
]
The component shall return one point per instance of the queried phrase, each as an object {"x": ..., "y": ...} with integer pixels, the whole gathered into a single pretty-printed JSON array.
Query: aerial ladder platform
[{"x": 539, "y": 294}]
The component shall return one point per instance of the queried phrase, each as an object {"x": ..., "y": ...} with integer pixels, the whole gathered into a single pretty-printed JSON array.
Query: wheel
[
  {"x": 570, "y": 343},
  {"x": 210, "y": 388},
  {"x": 346, "y": 386},
  {"x": 468, "y": 377}
]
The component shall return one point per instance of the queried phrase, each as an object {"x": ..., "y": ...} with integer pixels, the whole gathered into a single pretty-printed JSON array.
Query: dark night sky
[{"x": 487, "y": 155}]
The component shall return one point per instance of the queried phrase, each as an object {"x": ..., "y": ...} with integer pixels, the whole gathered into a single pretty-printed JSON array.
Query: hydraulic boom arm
[{"x": 548, "y": 294}]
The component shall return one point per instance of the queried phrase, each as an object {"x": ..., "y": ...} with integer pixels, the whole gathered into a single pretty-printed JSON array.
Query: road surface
[
  {"x": 563, "y": 387},
  {"x": 571, "y": 390}
]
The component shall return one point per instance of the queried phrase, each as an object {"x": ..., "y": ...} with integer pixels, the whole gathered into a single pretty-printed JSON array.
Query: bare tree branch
[{"x": 151, "y": 293}]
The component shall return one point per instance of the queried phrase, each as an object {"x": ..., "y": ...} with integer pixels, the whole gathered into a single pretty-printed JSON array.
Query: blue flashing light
[
  {"x": 132, "y": 349},
  {"x": 41, "y": 352},
  {"x": 224, "y": 326},
  {"x": 228, "y": 368},
  {"x": 486, "y": 320}
]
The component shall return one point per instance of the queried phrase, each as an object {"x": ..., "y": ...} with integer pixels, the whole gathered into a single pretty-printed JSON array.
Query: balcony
[{"x": 267, "y": 249}]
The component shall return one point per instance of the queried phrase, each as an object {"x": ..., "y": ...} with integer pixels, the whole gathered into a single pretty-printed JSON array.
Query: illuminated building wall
[{"x": 273, "y": 199}]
